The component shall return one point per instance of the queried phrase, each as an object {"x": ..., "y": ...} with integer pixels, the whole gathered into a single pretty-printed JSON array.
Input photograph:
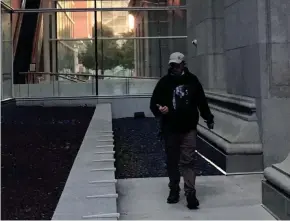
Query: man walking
[{"x": 176, "y": 100}]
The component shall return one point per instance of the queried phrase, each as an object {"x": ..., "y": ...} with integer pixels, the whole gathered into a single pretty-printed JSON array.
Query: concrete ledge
[
  {"x": 279, "y": 175},
  {"x": 90, "y": 190},
  {"x": 230, "y": 163},
  {"x": 235, "y": 138},
  {"x": 278, "y": 179},
  {"x": 228, "y": 147},
  {"x": 8, "y": 101},
  {"x": 246, "y": 102},
  {"x": 122, "y": 105},
  {"x": 276, "y": 189},
  {"x": 76, "y": 100},
  {"x": 275, "y": 201}
]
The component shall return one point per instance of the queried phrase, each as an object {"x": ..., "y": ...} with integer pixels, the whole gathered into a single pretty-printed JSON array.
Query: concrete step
[
  {"x": 103, "y": 174},
  {"x": 91, "y": 154},
  {"x": 93, "y": 189},
  {"x": 108, "y": 216},
  {"x": 90, "y": 144},
  {"x": 85, "y": 189},
  {"x": 94, "y": 132},
  {"x": 108, "y": 135},
  {"x": 102, "y": 155},
  {"x": 95, "y": 138},
  {"x": 104, "y": 141},
  {"x": 86, "y": 207},
  {"x": 106, "y": 163},
  {"x": 104, "y": 203},
  {"x": 102, "y": 148},
  {"x": 103, "y": 182},
  {"x": 98, "y": 128}
]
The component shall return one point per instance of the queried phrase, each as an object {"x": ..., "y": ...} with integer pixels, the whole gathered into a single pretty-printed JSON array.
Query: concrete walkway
[{"x": 221, "y": 197}]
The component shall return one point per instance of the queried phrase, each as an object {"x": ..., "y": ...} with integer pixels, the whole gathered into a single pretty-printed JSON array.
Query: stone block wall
[
  {"x": 205, "y": 22},
  {"x": 243, "y": 49}
]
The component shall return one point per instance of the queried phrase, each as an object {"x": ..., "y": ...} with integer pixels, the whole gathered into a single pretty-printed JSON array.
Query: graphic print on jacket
[{"x": 180, "y": 97}]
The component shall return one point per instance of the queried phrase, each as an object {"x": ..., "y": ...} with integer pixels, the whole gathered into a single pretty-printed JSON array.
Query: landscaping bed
[
  {"x": 140, "y": 152},
  {"x": 39, "y": 145}
]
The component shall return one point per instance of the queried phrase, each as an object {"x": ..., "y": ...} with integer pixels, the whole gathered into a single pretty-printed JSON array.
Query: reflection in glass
[
  {"x": 80, "y": 25},
  {"x": 127, "y": 43},
  {"x": 7, "y": 52},
  {"x": 7, "y": 2}
]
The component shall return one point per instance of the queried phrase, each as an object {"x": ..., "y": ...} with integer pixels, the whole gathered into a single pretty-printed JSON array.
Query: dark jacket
[{"x": 184, "y": 96}]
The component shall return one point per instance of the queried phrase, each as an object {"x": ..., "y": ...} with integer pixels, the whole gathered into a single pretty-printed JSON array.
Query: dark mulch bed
[
  {"x": 140, "y": 153},
  {"x": 39, "y": 145}
]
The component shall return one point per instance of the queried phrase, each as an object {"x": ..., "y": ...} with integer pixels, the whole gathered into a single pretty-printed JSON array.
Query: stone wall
[
  {"x": 205, "y": 22},
  {"x": 274, "y": 100},
  {"x": 243, "y": 49}
]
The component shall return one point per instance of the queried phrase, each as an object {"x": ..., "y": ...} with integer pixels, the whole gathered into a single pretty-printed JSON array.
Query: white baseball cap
[{"x": 176, "y": 57}]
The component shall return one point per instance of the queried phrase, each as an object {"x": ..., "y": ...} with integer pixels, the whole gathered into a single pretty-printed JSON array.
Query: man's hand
[
  {"x": 162, "y": 109},
  {"x": 210, "y": 124}
]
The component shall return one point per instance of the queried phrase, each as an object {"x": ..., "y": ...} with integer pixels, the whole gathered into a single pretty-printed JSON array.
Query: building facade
[
  {"x": 242, "y": 58},
  {"x": 161, "y": 32}
]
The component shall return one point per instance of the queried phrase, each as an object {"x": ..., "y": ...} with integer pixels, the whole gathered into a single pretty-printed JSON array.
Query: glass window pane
[{"x": 7, "y": 51}]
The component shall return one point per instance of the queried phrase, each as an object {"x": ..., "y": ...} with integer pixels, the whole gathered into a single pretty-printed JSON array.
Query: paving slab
[{"x": 221, "y": 197}]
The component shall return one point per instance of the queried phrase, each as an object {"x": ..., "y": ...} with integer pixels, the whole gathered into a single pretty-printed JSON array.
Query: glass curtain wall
[
  {"x": 7, "y": 47},
  {"x": 108, "y": 47}
]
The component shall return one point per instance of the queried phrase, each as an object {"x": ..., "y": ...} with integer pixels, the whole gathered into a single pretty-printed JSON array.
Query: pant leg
[
  {"x": 187, "y": 157},
  {"x": 172, "y": 150}
]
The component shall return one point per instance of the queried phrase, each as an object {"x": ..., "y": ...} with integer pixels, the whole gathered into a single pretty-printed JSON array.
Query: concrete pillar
[
  {"x": 250, "y": 62},
  {"x": 274, "y": 104},
  {"x": 257, "y": 55}
]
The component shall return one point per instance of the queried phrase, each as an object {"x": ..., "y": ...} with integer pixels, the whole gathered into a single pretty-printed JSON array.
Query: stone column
[
  {"x": 257, "y": 55},
  {"x": 274, "y": 104},
  {"x": 250, "y": 63},
  {"x": 236, "y": 135}
]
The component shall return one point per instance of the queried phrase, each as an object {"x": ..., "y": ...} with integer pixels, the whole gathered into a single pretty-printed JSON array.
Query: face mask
[{"x": 175, "y": 71}]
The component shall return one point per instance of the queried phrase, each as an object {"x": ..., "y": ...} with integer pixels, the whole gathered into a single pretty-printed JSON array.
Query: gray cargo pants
[{"x": 180, "y": 152}]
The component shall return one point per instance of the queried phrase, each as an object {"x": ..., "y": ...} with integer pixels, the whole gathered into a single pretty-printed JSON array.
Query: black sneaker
[
  {"x": 173, "y": 196},
  {"x": 192, "y": 201}
]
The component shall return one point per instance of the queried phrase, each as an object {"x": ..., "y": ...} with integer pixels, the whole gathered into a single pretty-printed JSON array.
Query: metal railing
[
  {"x": 78, "y": 84},
  {"x": 85, "y": 74},
  {"x": 53, "y": 10},
  {"x": 121, "y": 38}
]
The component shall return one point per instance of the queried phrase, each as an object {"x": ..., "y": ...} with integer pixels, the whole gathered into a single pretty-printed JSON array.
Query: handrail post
[
  {"x": 128, "y": 86},
  {"x": 96, "y": 47}
]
